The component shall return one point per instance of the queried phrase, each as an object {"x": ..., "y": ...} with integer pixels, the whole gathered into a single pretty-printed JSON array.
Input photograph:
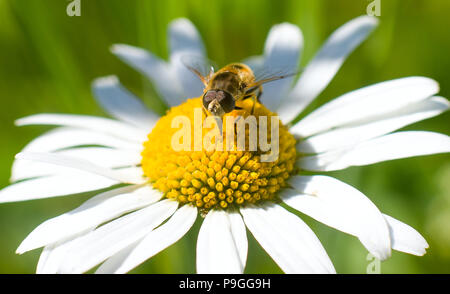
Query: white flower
[{"x": 124, "y": 226}]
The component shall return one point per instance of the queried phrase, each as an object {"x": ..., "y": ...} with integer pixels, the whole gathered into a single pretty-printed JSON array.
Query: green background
[{"x": 48, "y": 60}]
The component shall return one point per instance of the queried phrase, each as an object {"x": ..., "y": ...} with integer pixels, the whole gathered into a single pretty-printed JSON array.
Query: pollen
[{"x": 217, "y": 178}]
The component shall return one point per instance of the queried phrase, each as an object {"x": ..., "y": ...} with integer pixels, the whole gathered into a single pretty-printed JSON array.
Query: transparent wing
[
  {"x": 200, "y": 66},
  {"x": 266, "y": 75},
  {"x": 270, "y": 74}
]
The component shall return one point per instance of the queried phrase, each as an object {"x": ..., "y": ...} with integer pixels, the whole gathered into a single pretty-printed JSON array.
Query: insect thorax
[{"x": 227, "y": 81}]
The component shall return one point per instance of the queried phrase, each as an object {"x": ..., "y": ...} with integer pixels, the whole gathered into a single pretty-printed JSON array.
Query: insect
[{"x": 234, "y": 82}]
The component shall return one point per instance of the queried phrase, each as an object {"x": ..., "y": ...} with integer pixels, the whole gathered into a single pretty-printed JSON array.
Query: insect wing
[
  {"x": 200, "y": 66},
  {"x": 266, "y": 75}
]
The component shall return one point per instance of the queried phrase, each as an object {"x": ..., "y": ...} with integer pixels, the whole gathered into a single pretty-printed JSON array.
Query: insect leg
[
  {"x": 251, "y": 91},
  {"x": 260, "y": 91},
  {"x": 204, "y": 112},
  {"x": 235, "y": 128},
  {"x": 255, "y": 98}
]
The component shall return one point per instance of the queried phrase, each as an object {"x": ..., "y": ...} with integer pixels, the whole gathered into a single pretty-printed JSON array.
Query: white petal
[
  {"x": 104, "y": 157},
  {"x": 60, "y": 185},
  {"x": 158, "y": 71},
  {"x": 113, "y": 263},
  {"x": 53, "y": 255},
  {"x": 404, "y": 238},
  {"x": 287, "y": 239},
  {"x": 157, "y": 240},
  {"x": 256, "y": 63},
  {"x": 121, "y": 104},
  {"x": 185, "y": 40},
  {"x": 66, "y": 137},
  {"x": 221, "y": 244},
  {"x": 351, "y": 135},
  {"x": 388, "y": 147},
  {"x": 367, "y": 103},
  {"x": 45, "y": 266},
  {"x": 342, "y": 207},
  {"x": 90, "y": 214},
  {"x": 112, "y": 237},
  {"x": 184, "y": 37},
  {"x": 321, "y": 70},
  {"x": 123, "y": 176},
  {"x": 191, "y": 83},
  {"x": 282, "y": 51},
  {"x": 239, "y": 235},
  {"x": 99, "y": 124}
]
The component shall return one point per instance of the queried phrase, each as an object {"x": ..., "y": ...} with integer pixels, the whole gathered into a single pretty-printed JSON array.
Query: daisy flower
[{"x": 151, "y": 195}]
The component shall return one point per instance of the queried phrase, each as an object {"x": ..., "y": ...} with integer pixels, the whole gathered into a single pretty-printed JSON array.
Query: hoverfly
[{"x": 232, "y": 83}]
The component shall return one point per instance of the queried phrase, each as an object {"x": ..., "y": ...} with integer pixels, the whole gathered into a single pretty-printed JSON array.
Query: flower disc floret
[{"x": 212, "y": 179}]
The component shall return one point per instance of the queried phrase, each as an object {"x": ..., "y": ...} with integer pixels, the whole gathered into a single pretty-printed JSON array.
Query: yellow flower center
[{"x": 213, "y": 179}]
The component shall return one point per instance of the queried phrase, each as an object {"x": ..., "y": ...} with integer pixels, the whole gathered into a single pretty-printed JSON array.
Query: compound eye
[
  {"x": 224, "y": 98},
  {"x": 226, "y": 101},
  {"x": 208, "y": 97}
]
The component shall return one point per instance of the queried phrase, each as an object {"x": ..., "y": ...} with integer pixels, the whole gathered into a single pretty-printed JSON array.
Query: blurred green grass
[{"x": 48, "y": 60}]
